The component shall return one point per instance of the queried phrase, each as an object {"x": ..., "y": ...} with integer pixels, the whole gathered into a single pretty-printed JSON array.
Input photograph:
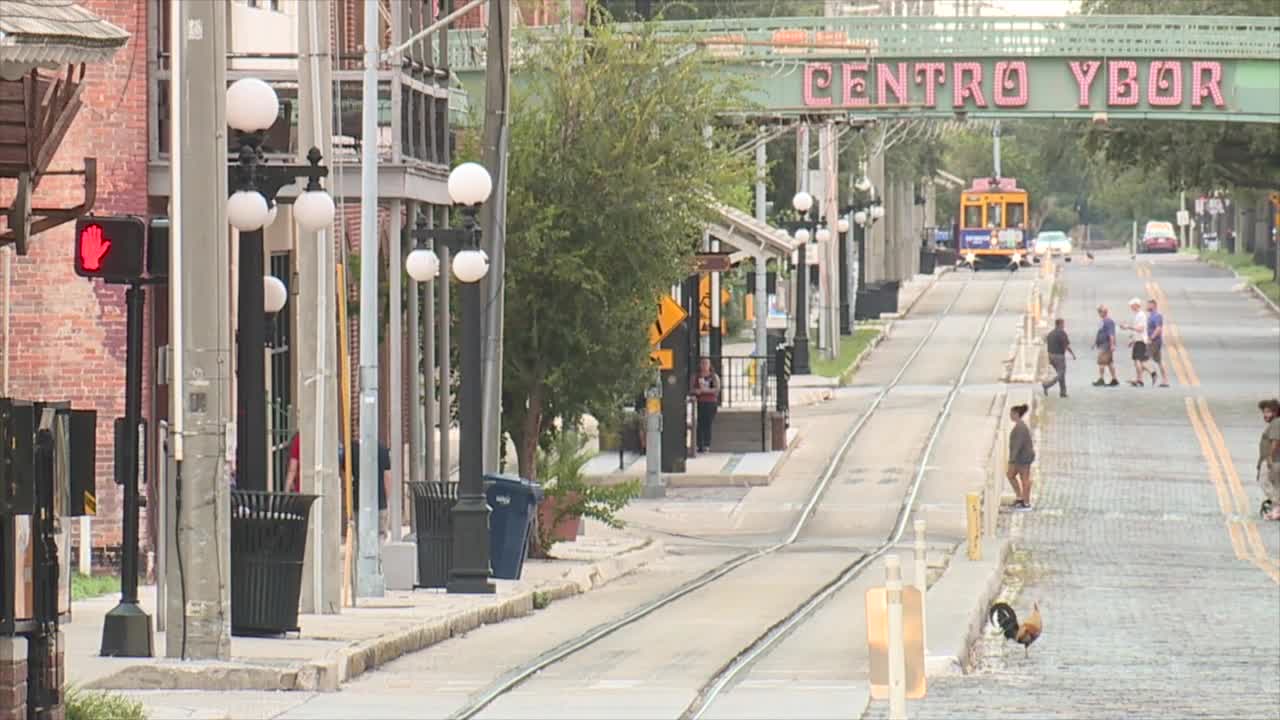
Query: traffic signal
[{"x": 110, "y": 247}]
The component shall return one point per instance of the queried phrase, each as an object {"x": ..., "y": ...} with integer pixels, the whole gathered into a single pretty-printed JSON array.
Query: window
[
  {"x": 1017, "y": 213},
  {"x": 994, "y": 215},
  {"x": 273, "y": 5},
  {"x": 973, "y": 216}
]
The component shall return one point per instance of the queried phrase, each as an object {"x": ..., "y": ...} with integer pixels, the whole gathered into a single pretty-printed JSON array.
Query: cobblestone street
[{"x": 1154, "y": 604}]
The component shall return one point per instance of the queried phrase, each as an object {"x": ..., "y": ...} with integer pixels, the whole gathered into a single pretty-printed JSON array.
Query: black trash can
[
  {"x": 512, "y": 504},
  {"x": 889, "y": 296},
  {"x": 867, "y": 304},
  {"x": 928, "y": 261},
  {"x": 433, "y": 525},
  {"x": 268, "y": 544}
]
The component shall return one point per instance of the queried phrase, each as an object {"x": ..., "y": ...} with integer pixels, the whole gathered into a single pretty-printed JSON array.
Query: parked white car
[{"x": 1053, "y": 242}]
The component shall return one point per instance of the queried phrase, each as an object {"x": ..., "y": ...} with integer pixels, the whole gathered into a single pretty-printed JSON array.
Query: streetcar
[{"x": 993, "y": 224}]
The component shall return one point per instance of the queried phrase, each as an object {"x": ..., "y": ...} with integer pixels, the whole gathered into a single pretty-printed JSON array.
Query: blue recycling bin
[{"x": 512, "y": 502}]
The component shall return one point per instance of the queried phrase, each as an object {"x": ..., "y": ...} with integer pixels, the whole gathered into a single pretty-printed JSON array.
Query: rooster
[{"x": 1024, "y": 633}]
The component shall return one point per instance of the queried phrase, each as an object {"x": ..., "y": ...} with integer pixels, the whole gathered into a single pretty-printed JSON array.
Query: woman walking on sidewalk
[{"x": 1021, "y": 454}]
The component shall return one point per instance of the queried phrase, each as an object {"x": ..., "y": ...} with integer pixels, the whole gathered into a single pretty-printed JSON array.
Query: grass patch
[
  {"x": 850, "y": 348},
  {"x": 82, "y": 705},
  {"x": 1260, "y": 277},
  {"x": 84, "y": 587},
  {"x": 541, "y": 599}
]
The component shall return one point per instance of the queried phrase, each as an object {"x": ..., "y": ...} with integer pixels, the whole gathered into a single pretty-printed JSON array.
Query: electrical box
[{"x": 17, "y": 460}]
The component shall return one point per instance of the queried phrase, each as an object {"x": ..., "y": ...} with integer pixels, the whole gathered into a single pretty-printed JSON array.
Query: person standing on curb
[
  {"x": 1021, "y": 454},
  {"x": 1058, "y": 345},
  {"x": 1105, "y": 344},
  {"x": 705, "y": 387},
  {"x": 1269, "y": 455},
  {"x": 1138, "y": 341},
  {"x": 1155, "y": 334}
]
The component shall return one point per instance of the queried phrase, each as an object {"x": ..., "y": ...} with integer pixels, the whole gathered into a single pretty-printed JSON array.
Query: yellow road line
[
  {"x": 1259, "y": 550},
  {"x": 1175, "y": 360},
  {"x": 1177, "y": 350},
  {"x": 1176, "y": 334},
  {"x": 1219, "y": 485}
]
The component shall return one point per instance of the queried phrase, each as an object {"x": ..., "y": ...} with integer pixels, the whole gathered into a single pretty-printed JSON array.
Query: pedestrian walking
[
  {"x": 1058, "y": 345},
  {"x": 705, "y": 388},
  {"x": 1269, "y": 457},
  {"x": 1155, "y": 347},
  {"x": 1021, "y": 454},
  {"x": 384, "y": 476},
  {"x": 1138, "y": 342},
  {"x": 1105, "y": 344}
]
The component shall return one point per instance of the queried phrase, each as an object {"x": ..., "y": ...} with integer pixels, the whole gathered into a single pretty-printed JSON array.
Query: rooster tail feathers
[{"x": 1005, "y": 618}]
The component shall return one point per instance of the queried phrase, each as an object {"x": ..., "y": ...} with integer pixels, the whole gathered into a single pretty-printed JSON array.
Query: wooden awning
[{"x": 749, "y": 235}]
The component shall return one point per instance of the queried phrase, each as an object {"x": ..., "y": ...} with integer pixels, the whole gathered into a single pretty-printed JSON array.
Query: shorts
[
  {"x": 1139, "y": 351},
  {"x": 1156, "y": 355},
  {"x": 1104, "y": 358}
]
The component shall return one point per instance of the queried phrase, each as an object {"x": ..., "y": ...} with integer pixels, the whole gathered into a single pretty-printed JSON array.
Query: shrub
[{"x": 82, "y": 705}]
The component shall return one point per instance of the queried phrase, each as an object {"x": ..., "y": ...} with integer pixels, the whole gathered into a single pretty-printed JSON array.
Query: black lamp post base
[
  {"x": 800, "y": 356},
  {"x": 470, "y": 572},
  {"x": 126, "y": 632}
]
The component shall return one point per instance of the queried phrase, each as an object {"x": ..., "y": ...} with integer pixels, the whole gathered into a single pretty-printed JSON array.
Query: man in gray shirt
[{"x": 1058, "y": 345}]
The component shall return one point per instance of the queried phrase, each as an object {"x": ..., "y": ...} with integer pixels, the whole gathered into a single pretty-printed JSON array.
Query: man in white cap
[{"x": 1138, "y": 341}]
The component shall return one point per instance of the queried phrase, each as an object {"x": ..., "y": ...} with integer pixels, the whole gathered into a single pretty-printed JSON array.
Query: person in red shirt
[{"x": 293, "y": 476}]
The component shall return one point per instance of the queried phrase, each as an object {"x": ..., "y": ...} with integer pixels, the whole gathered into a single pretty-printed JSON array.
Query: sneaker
[
  {"x": 1045, "y": 388},
  {"x": 1099, "y": 383},
  {"x": 1062, "y": 395},
  {"x": 1115, "y": 382},
  {"x": 1136, "y": 383},
  {"x": 1153, "y": 379},
  {"x": 1164, "y": 384},
  {"x": 1022, "y": 507}
]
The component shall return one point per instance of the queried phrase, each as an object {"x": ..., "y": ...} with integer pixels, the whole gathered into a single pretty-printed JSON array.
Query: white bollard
[
  {"x": 84, "y": 561},
  {"x": 922, "y": 582},
  {"x": 897, "y": 649}
]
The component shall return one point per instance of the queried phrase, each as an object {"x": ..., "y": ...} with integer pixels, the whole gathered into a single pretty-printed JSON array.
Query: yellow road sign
[
  {"x": 666, "y": 359},
  {"x": 670, "y": 315}
]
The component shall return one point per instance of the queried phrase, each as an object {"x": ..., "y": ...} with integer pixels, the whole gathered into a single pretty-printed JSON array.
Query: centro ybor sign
[{"x": 1015, "y": 84}]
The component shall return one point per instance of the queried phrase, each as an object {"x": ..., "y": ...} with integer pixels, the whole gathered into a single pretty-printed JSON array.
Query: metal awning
[
  {"x": 749, "y": 235},
  {"x": 53, "y": 33}
]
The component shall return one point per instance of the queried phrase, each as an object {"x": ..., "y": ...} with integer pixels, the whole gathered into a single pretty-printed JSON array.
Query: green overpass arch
[{"x": 1219, "y": 68}]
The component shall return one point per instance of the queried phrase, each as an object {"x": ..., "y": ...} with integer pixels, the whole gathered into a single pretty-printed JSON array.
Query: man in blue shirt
[
  {"x": 1155, "y": 334},
  {"x": 1105, "y": 344}
]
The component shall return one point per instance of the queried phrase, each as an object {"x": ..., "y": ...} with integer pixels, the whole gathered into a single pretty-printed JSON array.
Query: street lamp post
[
  {"x": 469, "y": 187},
  {"x": 842, "y": 231},
  {"x": 252, "y": 108},
  {"x": 805, "y": 228}
]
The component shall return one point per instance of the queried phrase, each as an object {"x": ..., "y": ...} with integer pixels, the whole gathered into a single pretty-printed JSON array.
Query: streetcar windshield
[
  {"x": 1017, "y": 214},
  {"x": 973, "y": 216},
  {"x": 994, "y": 215}
]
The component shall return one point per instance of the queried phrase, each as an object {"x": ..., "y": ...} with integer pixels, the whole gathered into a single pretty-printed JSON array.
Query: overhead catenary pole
[
  {"x": 198, "y": 596},
  {"x": 762, "y": 290},
  {"x": 395, "y": 271},
  {"x": 494, "y": 222},
  {"x": 369, "y": 580}
]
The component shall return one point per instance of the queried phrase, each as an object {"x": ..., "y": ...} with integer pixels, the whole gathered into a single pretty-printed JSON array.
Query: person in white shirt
[{"x": 1138, "y": 341}]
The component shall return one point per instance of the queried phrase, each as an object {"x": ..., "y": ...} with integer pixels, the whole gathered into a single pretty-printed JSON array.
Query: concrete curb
[
  {"x": 328, "y": 673},
  {"x": 1252, "y": 288},
  {"x": 852, "y": 370},
  {"x": 955, "y": 627}
]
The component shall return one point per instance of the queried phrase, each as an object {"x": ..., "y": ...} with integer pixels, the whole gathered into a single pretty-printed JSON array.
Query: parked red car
[{"x": 1159, "y": 237}]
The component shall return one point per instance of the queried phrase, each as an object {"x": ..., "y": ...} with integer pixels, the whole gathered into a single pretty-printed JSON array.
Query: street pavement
[{"x": 1158, "y": 583}]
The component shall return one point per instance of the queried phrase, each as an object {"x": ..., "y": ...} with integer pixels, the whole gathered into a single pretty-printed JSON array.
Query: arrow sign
[{"x": 670, "y": 315}]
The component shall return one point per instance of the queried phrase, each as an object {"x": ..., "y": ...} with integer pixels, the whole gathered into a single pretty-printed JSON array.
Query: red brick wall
[{"x": 67, "y": 334}]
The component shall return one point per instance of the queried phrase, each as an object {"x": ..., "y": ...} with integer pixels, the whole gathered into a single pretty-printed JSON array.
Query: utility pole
[
  {"x": 369, "y": 581},
  {"x": 494, "y": 222},
  {"x": 198, "y": 597},
  {"x": 762, "y": 266}
]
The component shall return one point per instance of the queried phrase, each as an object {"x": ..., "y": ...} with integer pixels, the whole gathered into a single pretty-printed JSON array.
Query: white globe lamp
[
  {"x": 822, "y": 235},
  {"x": 422, "y": 264},
  {"x": 272, "y": 212},
  {"x": 252, "y": 105},
  {"x": 877, "y": 212},
  {"x": 802, "y": 201},
  {"x": 247, "y": 210},
  {"x": 274, "y": 294},
  {"x": 860, "y": 217},
  {"x": 470, "y": 184},
  {"x": 313, "y": 210},
  {"x": 842, "y": 225},
  {"x": 802, "y": 235},
  {"x": 470, "y": 265},
  {"x": 863, "y": 184}
]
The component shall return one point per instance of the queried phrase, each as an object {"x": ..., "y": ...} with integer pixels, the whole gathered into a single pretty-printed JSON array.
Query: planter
[{"x": 567, "y": 529}]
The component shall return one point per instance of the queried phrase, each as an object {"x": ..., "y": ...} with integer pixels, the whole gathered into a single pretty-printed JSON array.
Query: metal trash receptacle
[
  {"x": 268, "y": 545},
  {"x": 433, "y": 527},
  {"x": 513, "y": 503}
]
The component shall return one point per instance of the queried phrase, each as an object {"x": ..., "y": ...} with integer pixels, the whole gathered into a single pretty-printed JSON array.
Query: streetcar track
[
  {"x": 519, "y": 675},
  {"x": 707, "y": 695}
]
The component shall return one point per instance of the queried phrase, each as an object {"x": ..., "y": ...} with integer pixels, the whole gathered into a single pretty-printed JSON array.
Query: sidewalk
[{"x": 333, "y": 649}]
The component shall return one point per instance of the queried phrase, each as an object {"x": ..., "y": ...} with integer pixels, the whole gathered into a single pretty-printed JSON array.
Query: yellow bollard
[{"x": 973, "y": 504}]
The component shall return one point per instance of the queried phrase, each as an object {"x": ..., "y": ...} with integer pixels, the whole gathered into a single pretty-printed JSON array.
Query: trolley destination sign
[{"x": 1063, "y": 87}]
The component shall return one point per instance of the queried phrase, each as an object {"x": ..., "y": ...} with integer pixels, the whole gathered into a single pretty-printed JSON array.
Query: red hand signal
[{"x": 93, "y": 247}]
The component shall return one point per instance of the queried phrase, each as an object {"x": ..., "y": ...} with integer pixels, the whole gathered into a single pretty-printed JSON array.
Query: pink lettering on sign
[
  {"x": 855, "y": 84},
  {"x": 1212, "y": 87},
  {"x": 1084, "y": 73},
  {"x": 1122, "y": 85},
  {"x": 816, "y": 75},
  {"x": 962, "y": 89},
  {"x": 1011, "y": 84},
  {"x": 1164, "y": 83},
  {"x": 890, "y": 81},
  {"x": 931, "y": 75}
]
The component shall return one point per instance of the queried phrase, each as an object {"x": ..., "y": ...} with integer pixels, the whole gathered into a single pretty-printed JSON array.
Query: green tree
[
  {"x": 1193, "y": 153},
  {"x": 610, "y": 184}
]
